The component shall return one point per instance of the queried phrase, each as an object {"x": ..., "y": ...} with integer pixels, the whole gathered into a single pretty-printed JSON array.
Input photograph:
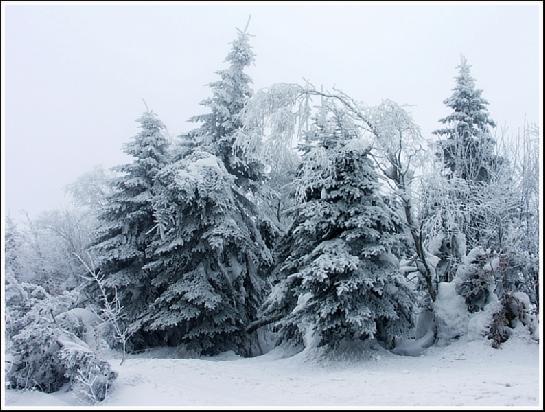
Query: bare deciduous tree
[{"x": 111, "y": 311}]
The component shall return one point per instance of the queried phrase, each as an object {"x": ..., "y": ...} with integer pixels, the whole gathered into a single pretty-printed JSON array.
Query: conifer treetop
[{"x": 470, "y": 115}]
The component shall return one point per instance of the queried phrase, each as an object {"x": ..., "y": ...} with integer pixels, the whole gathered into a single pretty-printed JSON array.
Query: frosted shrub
[
  {"x": 498, "y": 332},
  {"x": 47, "y": 358},
  {"x": 473, "y": 282},
  {"x": 32, "y": 332},
  {"x": 515, "y": 309},
  {"x": 71, "y": 323},
  {"x": 44, "y": 341},
  {"x": 89, "y": 376},
  {"x": 36, "y": 363}
]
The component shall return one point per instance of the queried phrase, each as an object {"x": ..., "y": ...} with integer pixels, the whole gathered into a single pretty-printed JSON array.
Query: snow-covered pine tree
[
  {"x": 182, "y": 145},
  {"x": 466, "y": 150},
  {"x": 221, "y": 126},
  {"x": 127, "y": 222},
  {"x": 209, "y": 263},
  {"x": 210, "y": 259},
  {"x": 467, "y": 147},
  {"x": 337, "y": 279}
]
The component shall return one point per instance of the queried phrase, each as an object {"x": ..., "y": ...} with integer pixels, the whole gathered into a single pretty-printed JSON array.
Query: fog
[{"x": 75, "y": 75}]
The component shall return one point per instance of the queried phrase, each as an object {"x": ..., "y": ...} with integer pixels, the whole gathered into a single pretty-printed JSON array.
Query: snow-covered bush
[
  {"x": 44, "y": 341},
  {"x": 89, "y": 376},
  {"x": 47, "y": 358},
  {"x": 520, "y": 310},
  {"x": 498, "y": 331},
  {"x": 36, "y": 362},
  {"x": 17, "y": 304},
  {"x": 31, "y": 330},
  {"x": 85, "y": 324},
  {"x": 27, "y": 303},
  {"x": 513, "y": 311},
  {"x": 480, "y": 323},
  {"x": 473, "y": 281}
]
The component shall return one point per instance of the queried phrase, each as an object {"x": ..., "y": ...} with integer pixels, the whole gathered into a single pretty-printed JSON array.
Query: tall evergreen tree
[
  {"x": 335, "y": 273},
  {"x": 127, "y": 221},
  {"x": 467, "y": 148},
  {"x": 222, "y": 124},
  {"x": 210, "y": 262}
]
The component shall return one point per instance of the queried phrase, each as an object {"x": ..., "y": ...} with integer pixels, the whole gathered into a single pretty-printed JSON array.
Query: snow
[
  {"x": 435, "y": 244},
  {"x": 302, "y": 301},
  {"x": 359, "y": 144},
  {"x": 36, "y": 398},
  {"x": 463, "y": 373},
  {"x": 72, "y": 343},
  {"x": 451, "y": 313},
  {"x": 523, "y": 297},
  {"x": 473, "y": 255},
  {"x": 424, "y": 323},
  {"x": 423, "y": 336},
  {"x": 415, "y": 347}
]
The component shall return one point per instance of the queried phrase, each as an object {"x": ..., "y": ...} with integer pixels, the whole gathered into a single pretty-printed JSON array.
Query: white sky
[{"x": 75, "y": 75}]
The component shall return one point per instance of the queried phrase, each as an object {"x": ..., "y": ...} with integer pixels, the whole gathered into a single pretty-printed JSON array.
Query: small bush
[
  {"x": 47, "y": 359},
  {"x": 90, "y": 377},
  {"x": 46, "y": 346},
  {"x": 473, "y": 282},
  {"x": 36, "y": 363},
  {"x": 515, "y": 307}
]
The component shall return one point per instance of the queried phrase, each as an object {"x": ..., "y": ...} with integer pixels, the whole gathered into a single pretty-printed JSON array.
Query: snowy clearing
[{"x": 464, "y": 373}]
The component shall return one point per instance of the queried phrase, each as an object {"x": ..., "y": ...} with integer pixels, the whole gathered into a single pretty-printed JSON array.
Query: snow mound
[
  {"x": 83, "y": 323},
  {"x": 415, "y": 347},
  {"x": 451, "y": 313},
  {"x": 423, "y": 339}
]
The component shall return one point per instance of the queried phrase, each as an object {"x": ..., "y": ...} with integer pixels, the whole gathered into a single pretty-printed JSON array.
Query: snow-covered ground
[{"x": 463, "y": 373}]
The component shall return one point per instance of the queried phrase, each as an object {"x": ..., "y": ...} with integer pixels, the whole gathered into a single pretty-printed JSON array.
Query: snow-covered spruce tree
[
  {"x": 467, "y": 147},
  {"x": 466, "y": 151},
  {"x": 222, "y": 125},
  {"x": 127, "y": 221},
  {"x": 337, "y": 279},
  {"x": 210, "y": 261}
]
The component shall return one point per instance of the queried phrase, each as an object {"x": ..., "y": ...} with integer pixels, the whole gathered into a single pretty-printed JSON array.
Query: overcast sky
[{"x": 75, "y": 75}]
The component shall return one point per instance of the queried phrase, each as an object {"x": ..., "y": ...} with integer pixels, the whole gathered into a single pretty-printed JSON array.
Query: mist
[{"x": 75, "y": 75}]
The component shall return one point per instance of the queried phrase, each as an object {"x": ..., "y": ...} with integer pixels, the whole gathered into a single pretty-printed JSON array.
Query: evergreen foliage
[
  {"x": 209, "y": 262},
  {"x": 467, "y": 148},
  {"x": 223, "y": 123},
  {"x": 127, "y": 221},
  {"x": 336, "y": 276}
]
